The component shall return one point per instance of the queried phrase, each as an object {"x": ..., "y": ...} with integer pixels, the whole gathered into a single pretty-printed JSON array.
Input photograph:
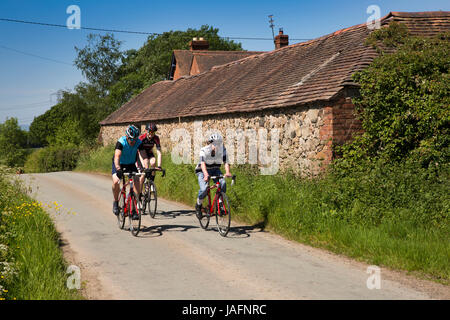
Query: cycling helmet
[
  {"x": 132, "y": 132},
  {"x": 151, "y": 127},
  {"x": 215, "y": 139}
]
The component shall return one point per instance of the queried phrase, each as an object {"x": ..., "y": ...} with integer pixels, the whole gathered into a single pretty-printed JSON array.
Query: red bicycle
[
  {"x": 129, "y": 205},
  {"x": 219, "y": 207}
]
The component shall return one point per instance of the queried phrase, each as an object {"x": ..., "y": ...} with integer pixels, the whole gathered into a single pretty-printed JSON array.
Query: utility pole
[{"x": 271, "y": 26}]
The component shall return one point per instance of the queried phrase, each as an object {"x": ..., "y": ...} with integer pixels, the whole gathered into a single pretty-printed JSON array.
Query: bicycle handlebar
[
  {"x": 150, "y": 170},
  {"x": 133, "y": 174},
  {"x": 233, "y": 178}
]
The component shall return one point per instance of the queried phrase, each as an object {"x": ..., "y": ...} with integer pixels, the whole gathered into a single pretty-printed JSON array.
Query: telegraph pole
[{"x": 271, "y": 26}]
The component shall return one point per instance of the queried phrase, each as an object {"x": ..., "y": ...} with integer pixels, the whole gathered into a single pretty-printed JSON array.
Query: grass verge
[{"x": 31, "y": 262}]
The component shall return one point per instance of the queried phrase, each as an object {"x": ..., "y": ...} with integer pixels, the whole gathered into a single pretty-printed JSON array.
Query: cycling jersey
[
  {"x": 148, "y": 143},
  {"x": 129, "y": 153},
  {"x": 212, "y": 158}
]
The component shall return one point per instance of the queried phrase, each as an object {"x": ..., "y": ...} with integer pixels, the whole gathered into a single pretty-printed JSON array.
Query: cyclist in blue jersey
[{"x": 124, "y": 160}]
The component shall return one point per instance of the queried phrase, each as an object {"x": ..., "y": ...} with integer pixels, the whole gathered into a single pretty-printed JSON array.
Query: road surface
[{"x": 173, "y": 258}]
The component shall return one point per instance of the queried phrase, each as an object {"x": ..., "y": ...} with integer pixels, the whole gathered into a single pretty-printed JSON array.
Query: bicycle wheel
[
  {"x": 153, "y": 200},
  {"x": 144, "y": 199},
  {"x": 121, "y": 215},
  {"x": 204, "y": 221},
  {"x": 135, "y": 224},
  {"x": 223, "y": 214}
]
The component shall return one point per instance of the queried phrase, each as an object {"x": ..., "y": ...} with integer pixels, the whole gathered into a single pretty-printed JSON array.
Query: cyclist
[
  {"x": 124, "y": 159},
  {"x": 211, "y": 158},
  {"x": 149, "y": 140}
]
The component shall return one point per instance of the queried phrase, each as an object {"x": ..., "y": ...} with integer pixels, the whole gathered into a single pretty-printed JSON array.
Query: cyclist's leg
[
  {"x": 202, "y": 192},
  {"x": 141, "y": 167},
  {"x": 115, "y": 189},
  {"x": 152, "y": 164},
  {"x": 115, "y": 183},
  {"x": 137, "y": 185},
  {"x": 223, "y": 185}
]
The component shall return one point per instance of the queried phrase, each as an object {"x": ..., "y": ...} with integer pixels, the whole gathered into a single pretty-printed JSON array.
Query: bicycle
[
  {"x": 220, "y": 207},
  {"x": 149, "y": 195},
  {"x": 129, "y": 204}
]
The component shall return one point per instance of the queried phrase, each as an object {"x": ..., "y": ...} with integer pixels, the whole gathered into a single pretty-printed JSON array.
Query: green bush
[
  {"x": 53, "y": 158},
  {"x": 404, "y": 99},
  {"x": 97, "y": 159}
]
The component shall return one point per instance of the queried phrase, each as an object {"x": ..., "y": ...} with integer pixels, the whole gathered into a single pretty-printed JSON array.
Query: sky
[{"x": 36, "y": 61}]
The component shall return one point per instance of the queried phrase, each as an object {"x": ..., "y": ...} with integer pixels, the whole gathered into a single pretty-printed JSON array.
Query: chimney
[
  {"x": 281, "y": 40},
  {"x": 198, "y": 44}
]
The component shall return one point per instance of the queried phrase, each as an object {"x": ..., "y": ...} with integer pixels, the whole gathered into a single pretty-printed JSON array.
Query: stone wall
[{"x": 296, "y": 138}]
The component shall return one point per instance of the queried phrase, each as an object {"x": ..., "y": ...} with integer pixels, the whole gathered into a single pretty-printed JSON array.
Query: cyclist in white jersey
[{"x": 211, "y": 158}]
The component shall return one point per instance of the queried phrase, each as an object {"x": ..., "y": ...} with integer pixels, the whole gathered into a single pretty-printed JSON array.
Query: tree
[
  {"x": 67, "y": 135},
  {"x": 100, "y": 59},
  {"x": 404, "y": 99},
  {"x": 13, "y": 140},
  {"x": 46, "y": 125}
]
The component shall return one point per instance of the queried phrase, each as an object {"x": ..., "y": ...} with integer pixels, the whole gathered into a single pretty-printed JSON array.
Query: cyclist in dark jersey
[
  {"x": 125, "y": 153},
  {"x": 149, "y": 141}
]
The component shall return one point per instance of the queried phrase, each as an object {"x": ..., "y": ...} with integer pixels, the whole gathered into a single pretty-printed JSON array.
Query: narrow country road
[{"x": 173, "y": 258}]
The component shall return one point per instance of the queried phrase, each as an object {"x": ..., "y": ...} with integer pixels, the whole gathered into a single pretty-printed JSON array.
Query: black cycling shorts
[{"x": 124, "y": 167}]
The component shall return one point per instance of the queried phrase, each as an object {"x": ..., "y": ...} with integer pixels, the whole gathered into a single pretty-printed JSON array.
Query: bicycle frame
[
  {"x": 128, "y": 201},
  {"x": 211, "y": 205},
  {"x": 217, "y": 186}
]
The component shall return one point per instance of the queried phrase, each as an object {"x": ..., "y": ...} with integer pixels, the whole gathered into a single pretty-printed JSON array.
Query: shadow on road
[
  {"x": 157, "y": 231},
  {"x": 245, "y": 231},
  {"x": 172, "y": 214}
]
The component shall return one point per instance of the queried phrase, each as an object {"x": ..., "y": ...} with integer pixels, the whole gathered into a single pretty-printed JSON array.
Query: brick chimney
[
  {"x": 198, "y": 44},
  {"x": 281, "y": 40}
]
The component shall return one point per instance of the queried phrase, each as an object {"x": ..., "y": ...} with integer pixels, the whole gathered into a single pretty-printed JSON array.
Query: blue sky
[{"x": 28, "y": 83}]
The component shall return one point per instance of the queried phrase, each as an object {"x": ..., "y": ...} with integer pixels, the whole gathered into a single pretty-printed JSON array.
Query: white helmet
[{"x": 215, "y": 139}]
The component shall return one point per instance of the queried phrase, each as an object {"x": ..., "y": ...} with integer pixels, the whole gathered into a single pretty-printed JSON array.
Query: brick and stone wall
[{"x": 298, "y": 138}]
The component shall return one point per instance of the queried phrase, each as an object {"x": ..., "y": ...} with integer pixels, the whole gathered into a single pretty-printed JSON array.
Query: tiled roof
[
  {"x": 316, "y": 70},
  {"x": 422, "y": 23},
  {"x": 205, "y": 60}
]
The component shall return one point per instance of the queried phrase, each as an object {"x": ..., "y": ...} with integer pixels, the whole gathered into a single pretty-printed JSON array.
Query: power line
[
  {"x": 124, "y": 31},
  {"x": 84, "y": 28},
  {"x": 27, "y": 106},
  {"x": 35, "y": 55}
]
